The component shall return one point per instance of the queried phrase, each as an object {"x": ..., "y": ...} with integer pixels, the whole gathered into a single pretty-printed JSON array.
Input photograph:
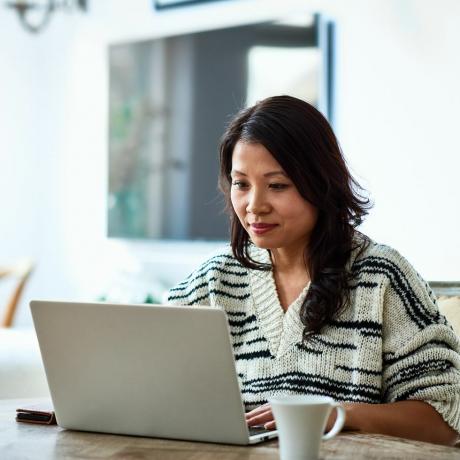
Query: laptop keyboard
[{"x": 253, "y": 430}]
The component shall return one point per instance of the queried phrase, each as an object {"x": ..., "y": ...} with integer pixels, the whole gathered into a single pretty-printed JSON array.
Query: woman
[{"x": 313, "y": 305}]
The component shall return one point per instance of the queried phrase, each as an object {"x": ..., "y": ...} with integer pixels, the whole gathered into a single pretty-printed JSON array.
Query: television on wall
[{"x": 169, "y": 103}]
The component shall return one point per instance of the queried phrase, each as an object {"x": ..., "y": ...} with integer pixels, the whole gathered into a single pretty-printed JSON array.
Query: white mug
[{"x": 300, "y": 422}]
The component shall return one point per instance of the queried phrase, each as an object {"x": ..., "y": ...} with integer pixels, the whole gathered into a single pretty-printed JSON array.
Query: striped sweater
[{"x": 389, "y": 344}]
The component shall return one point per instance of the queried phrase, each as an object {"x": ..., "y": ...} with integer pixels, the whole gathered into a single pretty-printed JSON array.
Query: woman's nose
[{"x": 257, "y": 204}]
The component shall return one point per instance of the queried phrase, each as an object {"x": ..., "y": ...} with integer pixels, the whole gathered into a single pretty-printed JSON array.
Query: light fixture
[{"x": 35, "y": 15}]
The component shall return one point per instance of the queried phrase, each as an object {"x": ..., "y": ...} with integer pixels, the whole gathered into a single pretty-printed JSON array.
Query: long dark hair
[{"x": 303, "y": 143}]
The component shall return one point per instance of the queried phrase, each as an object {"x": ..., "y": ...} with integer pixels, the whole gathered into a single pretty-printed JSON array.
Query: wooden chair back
[{"x": 21, "y": 273}]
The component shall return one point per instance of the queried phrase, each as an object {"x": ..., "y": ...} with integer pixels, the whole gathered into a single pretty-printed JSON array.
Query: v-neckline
[{"x": 280, "y": 328}]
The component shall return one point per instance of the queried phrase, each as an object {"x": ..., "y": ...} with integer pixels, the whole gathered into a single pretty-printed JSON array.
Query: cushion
[{"x": 450, "y": 308}]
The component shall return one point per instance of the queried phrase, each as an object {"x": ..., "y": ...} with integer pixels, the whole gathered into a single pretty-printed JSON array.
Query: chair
[{"x": 20, "y": 272}]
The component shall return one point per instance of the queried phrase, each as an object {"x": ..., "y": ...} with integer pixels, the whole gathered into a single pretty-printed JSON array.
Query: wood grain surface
[{"x": 26, "y": 441}]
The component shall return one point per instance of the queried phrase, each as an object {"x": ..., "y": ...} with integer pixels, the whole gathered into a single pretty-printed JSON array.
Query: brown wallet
[{"x": 37, "y": 413}]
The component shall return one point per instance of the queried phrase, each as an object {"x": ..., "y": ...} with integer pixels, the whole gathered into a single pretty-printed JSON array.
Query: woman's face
[{"x": 267, "y": 202}]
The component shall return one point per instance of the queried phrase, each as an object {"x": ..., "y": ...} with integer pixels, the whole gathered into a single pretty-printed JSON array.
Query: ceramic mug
[{"x": 300, "y": 422}]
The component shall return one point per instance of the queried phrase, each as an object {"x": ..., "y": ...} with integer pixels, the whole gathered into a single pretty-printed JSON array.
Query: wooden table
[{"x": 26, "y": 441}]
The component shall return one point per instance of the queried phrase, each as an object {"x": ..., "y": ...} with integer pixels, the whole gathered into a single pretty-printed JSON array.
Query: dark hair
[{"x": 303, "y": 143}]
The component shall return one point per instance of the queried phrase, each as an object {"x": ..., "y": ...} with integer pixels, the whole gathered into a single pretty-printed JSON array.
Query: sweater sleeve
[
  {"x": 421, "y": 358},
  {"x": 194, "y": 290},
  {"x": 204, "y": 283}
]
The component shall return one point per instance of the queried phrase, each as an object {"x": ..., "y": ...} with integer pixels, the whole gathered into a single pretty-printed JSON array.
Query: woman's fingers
[
  {"x": 260, "y": 416},
  {"x": 257, "y": 410},
  {"x": 270, "y": 425},
  {"x": 260, "y": 419}
]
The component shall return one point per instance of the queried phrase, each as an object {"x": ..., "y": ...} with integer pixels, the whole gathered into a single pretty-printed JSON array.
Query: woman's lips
[{"x": 259, "y": 229}]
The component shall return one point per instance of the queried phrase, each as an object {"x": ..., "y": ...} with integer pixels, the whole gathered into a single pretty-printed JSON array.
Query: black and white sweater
[{"x": 390, "y": 344}]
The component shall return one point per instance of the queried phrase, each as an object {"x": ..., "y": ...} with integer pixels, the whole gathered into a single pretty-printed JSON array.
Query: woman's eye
[
  {"x": 279, "y": 186},
  {"x": 238, "y": 184}
]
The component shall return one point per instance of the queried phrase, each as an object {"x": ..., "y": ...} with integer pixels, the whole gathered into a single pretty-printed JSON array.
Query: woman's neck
[
  {"x": 288, "y": 262},
  {"x": 290, "y": 274}
]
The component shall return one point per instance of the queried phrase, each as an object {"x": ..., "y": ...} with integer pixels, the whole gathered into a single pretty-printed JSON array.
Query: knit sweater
[{"x": 389, "y": 344}]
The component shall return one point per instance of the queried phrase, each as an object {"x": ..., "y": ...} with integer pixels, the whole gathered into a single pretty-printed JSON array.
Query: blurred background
[{"x": 87, "y": 100}]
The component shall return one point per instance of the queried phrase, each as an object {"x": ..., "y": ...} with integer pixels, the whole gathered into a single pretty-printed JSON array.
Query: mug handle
[{"x": 339, "y": 422}]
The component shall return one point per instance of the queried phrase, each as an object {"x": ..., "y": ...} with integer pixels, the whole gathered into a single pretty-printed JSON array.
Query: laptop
[{"x": 157, "y": 371}]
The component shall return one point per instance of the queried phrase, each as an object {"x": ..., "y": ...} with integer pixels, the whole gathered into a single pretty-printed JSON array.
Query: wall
[
  {"x": 399, "y": 98},
  {"x": 32, "y": 118},
  {"x": 397, "y": 118}
]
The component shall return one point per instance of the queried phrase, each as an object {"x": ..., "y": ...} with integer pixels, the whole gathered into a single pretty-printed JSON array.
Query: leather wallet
[{"x": 37, "y": 413}]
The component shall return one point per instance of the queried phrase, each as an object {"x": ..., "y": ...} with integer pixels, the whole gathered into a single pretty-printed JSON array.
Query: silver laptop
[{"x": 159, "y": 371}]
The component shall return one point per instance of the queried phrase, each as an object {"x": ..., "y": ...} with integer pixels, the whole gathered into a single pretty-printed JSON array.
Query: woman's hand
[
  {"x": 405, "y": 419},
  {"x": 263, "y": 415}
]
